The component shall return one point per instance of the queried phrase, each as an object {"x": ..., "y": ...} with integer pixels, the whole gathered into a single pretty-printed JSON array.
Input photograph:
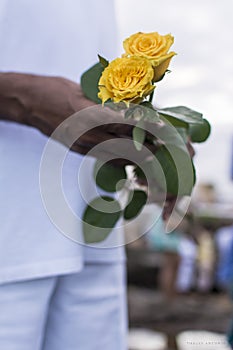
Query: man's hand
[{"x": 45, "y": 102}]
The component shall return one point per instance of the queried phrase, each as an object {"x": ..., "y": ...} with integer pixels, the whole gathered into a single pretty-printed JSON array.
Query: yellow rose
[
  {"x": 152, "y": 46},
  {"x": 126, "y": 79}
]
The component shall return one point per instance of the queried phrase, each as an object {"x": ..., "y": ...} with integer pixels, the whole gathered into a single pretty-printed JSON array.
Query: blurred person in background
[
  {"x": 227, "y": 275},
  {"x": 206, "y": 260},
  {"x": 168, "y": 244},
  {"x": 55, "y": 294},
  {"x": 223, "y": 239},
  {"x": 228, "y": 278},
  {"x": 205, "y": 197},
  {"x": 177, "y": 273}
]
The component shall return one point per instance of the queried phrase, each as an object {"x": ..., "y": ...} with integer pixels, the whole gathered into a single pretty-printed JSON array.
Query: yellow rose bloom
[
  {"x": 127, "y": 79},
  {"x": 152, "y": 46}
]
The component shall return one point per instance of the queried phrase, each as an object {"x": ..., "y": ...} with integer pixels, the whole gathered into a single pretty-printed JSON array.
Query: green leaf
[
  {"x": 136, "y": 204},
  {"x": 171, "y": 136},
  {"x": 151, "y": 115},
  {"x": 108, "y": 177},
  {"x": 147, "y": 104},
  {"x": 99, "y": 218},
  {"x": 183, "y": 133},
  {"x": 139, "y": 173},
  {"x": 200, "y": 132},
  {"x": 90, "y": 80},
  {"x": 144, "y": 110},
  {"x": 149, "y": 112},
  {"x": 183, "y": 114},
  {"x": 178, "y": 170},
  {"x": 177, "y": 123},
  {"x": 177, "y": 176},
  {"x": 134, "y": 112},
  {"x": 103, "y": 61},
  {"x": 194, "y": 174},
  {"x": 139, "y": 135}
]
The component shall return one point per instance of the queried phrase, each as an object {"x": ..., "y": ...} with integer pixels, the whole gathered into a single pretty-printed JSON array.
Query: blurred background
[
  {"x": 201, "y": 76},
  {"x": 179, "y": 284}
]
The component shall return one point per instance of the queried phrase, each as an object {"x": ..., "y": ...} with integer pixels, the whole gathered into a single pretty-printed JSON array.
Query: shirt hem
[{"x": 40, "y": 270}]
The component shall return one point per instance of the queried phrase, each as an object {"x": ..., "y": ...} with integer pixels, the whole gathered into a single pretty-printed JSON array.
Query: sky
[{"x": 201, "y": 74}]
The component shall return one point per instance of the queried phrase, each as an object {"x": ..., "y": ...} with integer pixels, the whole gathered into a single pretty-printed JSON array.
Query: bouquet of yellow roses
[{"x": 127, "y": 85}]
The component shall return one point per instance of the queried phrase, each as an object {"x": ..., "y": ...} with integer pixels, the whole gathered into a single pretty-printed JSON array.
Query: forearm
[
  {"x": 34, "y": 100},
  {"x": 45, "y": 102},
  {"x": 12, "y": 104}
]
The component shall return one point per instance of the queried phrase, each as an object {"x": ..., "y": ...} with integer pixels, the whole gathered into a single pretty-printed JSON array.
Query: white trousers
[{"x": 81, "y": 311}]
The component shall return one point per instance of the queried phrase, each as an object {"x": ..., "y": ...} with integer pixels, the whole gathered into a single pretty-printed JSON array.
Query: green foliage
[
  {"x": 99, "y": 218},
  {"x": 172, "y": 169},
  {"x": 139, "y": 135},
  {"x": 103, "y": 61},
  {"x": 135, "y": 112},
  {"x": 177, "y": 123},
  {"x": 108, "y": 177},
  {"x": 200, "y": 132},
  {"x": 137, "y": 200},
  {"x": 183, "y": 133},
  {"x": 90, "y": 80},
  {"x": 181, "y": 115},
  {"x": 144, "y": 111},
  {"x": 139, "y": 174},
  {"x": 178, "y": 170}
]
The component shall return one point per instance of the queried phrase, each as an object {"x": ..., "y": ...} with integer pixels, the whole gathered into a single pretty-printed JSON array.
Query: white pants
[
  {"x": 82, "y": 311},
  {"x": 186, "y": 270}
]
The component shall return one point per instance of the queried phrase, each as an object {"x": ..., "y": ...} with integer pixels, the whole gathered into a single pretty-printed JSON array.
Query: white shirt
[{"x": 55, "y": 38}]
